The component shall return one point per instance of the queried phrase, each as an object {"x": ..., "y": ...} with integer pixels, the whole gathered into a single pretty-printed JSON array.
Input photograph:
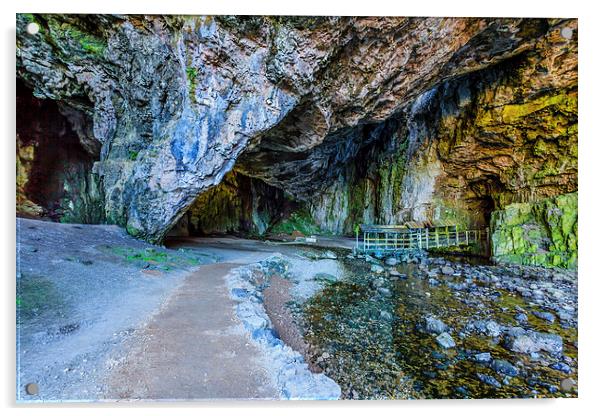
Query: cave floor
[
  {"x": 102, "y": 316},
  {"x": 193, "y": 348}
]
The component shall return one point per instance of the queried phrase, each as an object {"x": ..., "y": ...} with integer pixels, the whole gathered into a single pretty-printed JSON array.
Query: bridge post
[
  {"x": 457, "y": 236},
  {"x": 427, "y": 238},
  {"x": 437, "y": 237}
]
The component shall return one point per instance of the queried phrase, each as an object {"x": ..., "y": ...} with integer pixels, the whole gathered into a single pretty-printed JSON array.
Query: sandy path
[{"x": 193, "y": 348}]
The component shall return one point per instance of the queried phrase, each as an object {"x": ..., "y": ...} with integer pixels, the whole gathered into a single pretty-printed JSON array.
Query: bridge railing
[{"x": 390, "y": 239}]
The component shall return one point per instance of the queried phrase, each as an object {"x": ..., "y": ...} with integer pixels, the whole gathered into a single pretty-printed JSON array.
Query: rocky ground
[
  {"x": 81, "y": 291},
  {"x": 99, "y": 317},
  {"x": 446, "y": 329}
]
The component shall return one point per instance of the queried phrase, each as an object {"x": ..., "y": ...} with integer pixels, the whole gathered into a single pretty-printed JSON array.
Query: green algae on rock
[{"x": 542, "y": 233}]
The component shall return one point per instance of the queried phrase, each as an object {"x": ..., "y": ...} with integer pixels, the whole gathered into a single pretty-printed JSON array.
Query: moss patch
[
  {"x": 543, "y": 233},
  {"x": 300, "y": 220},
  {"x": 37, "y": 295}
]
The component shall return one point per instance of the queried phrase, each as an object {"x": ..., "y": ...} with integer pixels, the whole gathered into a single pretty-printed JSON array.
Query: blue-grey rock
[
  {"x": 375, "y": 268},
  {"x": 504, "y": 367},
  {"x": 445, "y": 340},
  {"x": 447, "y": 270},
  {"x": 560, "y": 366},
  {"x": 527, "y": 342},
  {"x": 487, "y": 379},
  {"x": 489, "y": 327},
  {"x": 384, "y": 291},
  {"x": 329, "y": 255},
  {"x": 433, "y": 325},
  {"x": 546, "y": 316},
  {"x": 391, "y": 261},
  {"x": 433, "y": 282},
  {"x": 483, "y": 357},
  {"x": 521, "y": 318}
]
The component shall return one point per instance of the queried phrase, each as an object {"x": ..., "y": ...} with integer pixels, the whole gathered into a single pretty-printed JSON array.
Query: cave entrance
[
  {"x": 54, "y": 179},
  {"x": 239, "y": 205}
]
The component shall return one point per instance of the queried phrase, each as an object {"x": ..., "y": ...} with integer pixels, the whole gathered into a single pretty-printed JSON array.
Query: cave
[
  {"x": 54, "y": 170},
  {"x": 286, "y": 207},
  {"x": 166, "y": 152}
]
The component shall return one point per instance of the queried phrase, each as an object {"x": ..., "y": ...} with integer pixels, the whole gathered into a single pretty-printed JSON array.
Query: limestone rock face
[
  {"x": 469, "y": 146},
  {"x": 167, "y": 105}
]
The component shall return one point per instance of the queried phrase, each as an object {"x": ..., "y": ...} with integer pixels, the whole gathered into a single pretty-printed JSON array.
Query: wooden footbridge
[{"x": 399, "y": 238}]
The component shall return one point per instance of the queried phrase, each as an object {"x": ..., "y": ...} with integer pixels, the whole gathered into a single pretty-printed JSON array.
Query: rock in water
[
  {"x": 483, "y": 357},
  {"x": 329, "y": 255},
  {"x": 487, "y": 379},
  {"x": 375, "y": 268},
  {"x": 560, "y": 366},
  {"x": 489, "y": 327},
  {"x": 391, "y": 261},
  {"x": 445, "y": 340},
  {"x": 546, "y": 316},
  {"x": 567, "y": 384},
  {"x": 433, "y": 325},
  {"x": 527, "y": 342},
  {"x": 447, "y": 270},
  {"x": 504, "y": 367}
]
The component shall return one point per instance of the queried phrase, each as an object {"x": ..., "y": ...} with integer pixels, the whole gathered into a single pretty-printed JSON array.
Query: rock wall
[
  {"x": 359, "y": 120},
  {"x": 543, "y": 233},
  {"x": 506, "y": 134},
  {"x": 173, "y": 102}
]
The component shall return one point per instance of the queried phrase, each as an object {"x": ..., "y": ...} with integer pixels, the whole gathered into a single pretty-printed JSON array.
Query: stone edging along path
[{"x": 290, "y": 372}]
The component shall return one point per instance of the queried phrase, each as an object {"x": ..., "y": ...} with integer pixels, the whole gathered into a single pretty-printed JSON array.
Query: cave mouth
[
  {"x": 239, "y": 205},
  {"x": 54, "y": 171}
]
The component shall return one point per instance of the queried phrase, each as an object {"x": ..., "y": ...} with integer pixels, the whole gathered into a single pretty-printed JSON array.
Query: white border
[{"x": 590, "y": 179}]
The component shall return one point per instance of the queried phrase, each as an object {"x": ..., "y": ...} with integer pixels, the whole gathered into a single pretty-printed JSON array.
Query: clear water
[{"x": 374, "y": 349}]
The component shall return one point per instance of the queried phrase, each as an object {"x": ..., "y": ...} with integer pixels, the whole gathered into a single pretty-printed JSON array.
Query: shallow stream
[{"x": 366, "y": 334}]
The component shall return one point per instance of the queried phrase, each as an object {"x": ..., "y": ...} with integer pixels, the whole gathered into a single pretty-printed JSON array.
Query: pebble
[
  {"x": 375, "y": 268},
  {"x": 487, "y": 379},
  {"x": 445, "y": 340},
  {"x": 483, "y": 357}
]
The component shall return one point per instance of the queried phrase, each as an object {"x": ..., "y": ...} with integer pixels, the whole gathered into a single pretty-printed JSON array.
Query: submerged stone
[
  {"x": 483, "y": 357},
  {"x": 375, "y": 268},
  {"x": 433, "y": 325},
  {"x": 487, "y": 379},
  {"x": 504, "y": 367},
  {"x": 445, "y": 340},
  {"x": 527, "y": 342}
]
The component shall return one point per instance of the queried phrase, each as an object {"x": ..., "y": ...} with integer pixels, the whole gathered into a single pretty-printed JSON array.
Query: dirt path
[{"x": 193, "y": 348}]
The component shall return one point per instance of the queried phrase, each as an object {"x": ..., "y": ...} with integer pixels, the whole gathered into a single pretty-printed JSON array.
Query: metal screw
[
  {"x": 32, "y": 389},
  {"x": 33, "y": 28},
  {"x": 566, "y": 33}
]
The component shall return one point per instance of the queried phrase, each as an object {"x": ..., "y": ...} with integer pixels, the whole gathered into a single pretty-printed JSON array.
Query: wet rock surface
[
  {"x": 166, "y": 106},
  {"x": 459, "y": 339}
]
